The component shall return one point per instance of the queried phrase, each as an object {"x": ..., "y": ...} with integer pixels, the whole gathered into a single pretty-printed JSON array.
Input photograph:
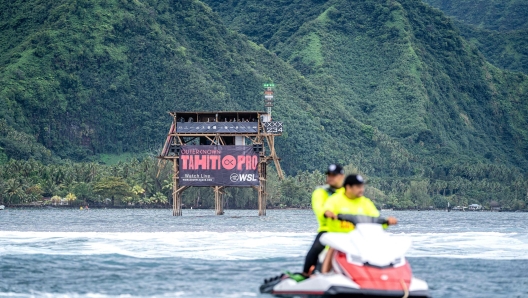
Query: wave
[
  {"x": 474, "y": 245},
  {"x": 99, "y": 295},
  {"x": 199, "y": 245},
  {"x": 87, "y": 295},
  {"x": 246, "y": 245}
]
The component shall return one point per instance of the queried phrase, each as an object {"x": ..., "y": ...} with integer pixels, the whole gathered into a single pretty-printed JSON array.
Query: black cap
[
  {"x": 335, "y": 170},
  {"x": 354, "y": 180}
]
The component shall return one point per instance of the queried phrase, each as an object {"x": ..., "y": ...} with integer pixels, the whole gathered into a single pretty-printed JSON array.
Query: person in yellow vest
[
  {"x": 351, "y": 201},
  {"x": 334, "y": 181}
]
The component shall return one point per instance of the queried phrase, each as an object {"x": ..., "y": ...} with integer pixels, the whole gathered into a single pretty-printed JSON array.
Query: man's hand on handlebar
[
  {"x": 330, "y": 214},
  {"x": 389, "y": 220},
  {"x": 392, "y": 221}
]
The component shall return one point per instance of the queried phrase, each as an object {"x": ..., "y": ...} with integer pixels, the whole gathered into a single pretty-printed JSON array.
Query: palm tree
[
  {"x": 159, "y": 198},
  {"x": 70, "y": 198},
  {"x": 13, "y": 191},
  {"x": 55, "y": 200}
]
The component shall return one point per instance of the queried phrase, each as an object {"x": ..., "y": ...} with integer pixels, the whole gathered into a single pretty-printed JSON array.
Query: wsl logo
[{"x": 242, "y": 177}]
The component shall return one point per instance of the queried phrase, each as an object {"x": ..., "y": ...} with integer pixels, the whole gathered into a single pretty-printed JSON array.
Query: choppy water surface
[{"x": 132, "y": 253}]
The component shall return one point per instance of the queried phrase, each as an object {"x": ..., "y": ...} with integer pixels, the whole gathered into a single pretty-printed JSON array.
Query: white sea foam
[
  {"x": 87, "y": 295},
  {"x": 97, "y": 295},
  {"x": 476, "y": 245},
  {"x": 198, "y": 245},
  {"x": 246, "y": 245}
]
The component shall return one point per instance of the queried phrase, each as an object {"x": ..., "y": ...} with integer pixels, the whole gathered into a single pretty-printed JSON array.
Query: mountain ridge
[
  {"x": 83, "y": 91},
  {"x": 498, "y": 28},
  {"x": 422, "y": 49},
  {"x": 389, "y": 88}
]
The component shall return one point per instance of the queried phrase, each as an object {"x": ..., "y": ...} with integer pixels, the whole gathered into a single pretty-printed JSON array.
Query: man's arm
[
  {"x": 371, "y": 210},
  {"x": 329, "y": 207},
  {"x": 318, "y": 200}
]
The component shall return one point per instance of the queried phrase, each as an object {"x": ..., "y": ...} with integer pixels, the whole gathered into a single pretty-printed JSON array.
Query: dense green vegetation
[
  {"x": 498, "y": 28},
  {"x": 508, "y": 50},
  {"x": 388, "y": 87},
  {"x": 134, "y": 182},
  {"x": 402, "y": 67},
  {"x": 90, "y": 77},
  {"x": 19, "y": 145},
  {"x": 149, "y": 183},
  {"x": 499, "y": 15}
]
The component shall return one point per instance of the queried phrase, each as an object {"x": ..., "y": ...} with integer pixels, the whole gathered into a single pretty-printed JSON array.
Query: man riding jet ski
[
  {"x": 367, "y": 262},
  {"x": 362, "y": 260},
  {"x": 335, "y": 175},
  {"x": 347, "y": 200}
]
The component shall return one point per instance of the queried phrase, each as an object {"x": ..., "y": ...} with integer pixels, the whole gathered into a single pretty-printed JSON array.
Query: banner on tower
[
  {"x": 212, "y": 165},
  {"x": 217, "y": 127}
]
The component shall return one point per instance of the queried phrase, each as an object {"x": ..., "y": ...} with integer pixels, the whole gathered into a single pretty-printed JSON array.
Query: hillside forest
[{"x": 428, "y": 100}]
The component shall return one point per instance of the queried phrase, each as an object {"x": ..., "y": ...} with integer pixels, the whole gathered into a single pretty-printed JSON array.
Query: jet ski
[{"x": 367, "y": 262}]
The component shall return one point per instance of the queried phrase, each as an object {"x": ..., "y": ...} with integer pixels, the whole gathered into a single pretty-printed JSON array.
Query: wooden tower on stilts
[{"x": 222, "y": 149}]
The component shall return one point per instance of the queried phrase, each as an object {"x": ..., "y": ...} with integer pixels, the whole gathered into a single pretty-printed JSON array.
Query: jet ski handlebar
[{"x": 358, "y": 219}]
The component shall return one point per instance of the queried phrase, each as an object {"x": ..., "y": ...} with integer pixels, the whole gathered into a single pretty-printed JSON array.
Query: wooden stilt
[
  {"x": 176, "y": 197},
  {"x": 219, "y": 202},
  {"x": 215, "y": 199},
  {"x": 273, "y": 154},
  {"x": 262, "y": 193}
]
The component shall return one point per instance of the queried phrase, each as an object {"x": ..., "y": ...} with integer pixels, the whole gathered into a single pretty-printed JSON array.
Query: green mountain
[
  {"x": 401, "y": 67},
  {"x": 498, "y": 15},
  {"x": 505, "y": 49},
  {"x": 86, "y": 77},
  {"x": 498, "y": 28},
  {"x": 89, "y": 77},
  {"x": 390, "y": 87}
]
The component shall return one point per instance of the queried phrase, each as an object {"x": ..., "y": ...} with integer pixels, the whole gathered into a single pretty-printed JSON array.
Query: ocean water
[{"x": 150, "y": 253}]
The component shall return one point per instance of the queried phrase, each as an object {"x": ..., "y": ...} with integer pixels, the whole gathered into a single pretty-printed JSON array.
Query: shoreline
[{"x": 18, "y": 207}]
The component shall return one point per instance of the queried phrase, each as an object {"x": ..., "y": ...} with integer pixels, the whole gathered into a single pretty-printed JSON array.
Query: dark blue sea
[{"x": 150, "y": 253}]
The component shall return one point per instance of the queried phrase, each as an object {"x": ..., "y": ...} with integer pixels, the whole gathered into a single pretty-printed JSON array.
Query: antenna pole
[{"x": 268, "y": 97}]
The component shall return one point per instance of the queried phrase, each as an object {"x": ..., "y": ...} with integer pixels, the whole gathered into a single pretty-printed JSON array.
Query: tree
[
  {"x": 273, "y": 189},
  {"x": 418, "y": 194},
  {"x": 83, "y": 190},
  {"x": 138, "y": 190},
  {"x": 292, "y": 192},
  {"x": 159, "y": 198},
  {"x": 3, "y": 156},
  {"x": 440, "y": 202},
  {"x": 55, "y": 200},
  {"x": 70, "y": 198},
  {"x": 13, "y": 191},
  {"x": 113, "y": 187},
  {"x": 32, "y": 193},
  {"x": 49, "y": 188}
]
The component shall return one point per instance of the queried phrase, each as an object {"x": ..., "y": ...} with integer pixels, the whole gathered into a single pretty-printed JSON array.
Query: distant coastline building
[
  {"x": 475, "y": 207},
  {"x": 459, "y": 208}
]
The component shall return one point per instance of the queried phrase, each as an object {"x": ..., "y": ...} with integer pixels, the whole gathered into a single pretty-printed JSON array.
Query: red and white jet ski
[{"x": 367, "y": 262}]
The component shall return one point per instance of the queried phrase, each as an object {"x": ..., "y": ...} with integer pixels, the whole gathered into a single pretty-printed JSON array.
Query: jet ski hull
[
  {"x": 325, "y": 286},
  {"x": 349, "y": 293},
  {"x": 355, "y": 295}
]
